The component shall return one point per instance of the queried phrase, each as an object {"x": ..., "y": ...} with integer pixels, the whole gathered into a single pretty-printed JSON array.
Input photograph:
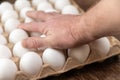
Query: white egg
[
  {"x": 60, "y": 4},
  {"x": 11, "y": 24},
  {"x": 5, "y": 52},
  {"x": 8, "y": 69},
  {"x": 53, "y": 1},
  {"x": 1, "y": 30},
  {"x": 5, "y": 6},
  {"x": 35, "y": 3},
  {"x": 24, "y": 11},
  {"x": 28, "y": 20},
  {"x": 3, "y": 40},
  {"x": 43, "y": 35},
  {"x": 70, "y": 9},
  {"x": 55, "y": 58},
  {"x": 44, "y": 6},
  {"x": 79, "y": 53},
  {"x": 19, "y": 50},
  {"x": 20, "y": 4},
  {"x": 31, "y": 63},
  {"x": 102, "y": 45},
  {"x": 9, "y": 14},
  {"x": 17, "y": 35}
]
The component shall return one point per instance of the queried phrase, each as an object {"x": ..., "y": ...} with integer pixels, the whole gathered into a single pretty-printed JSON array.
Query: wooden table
[{"x": 107, "y": 70}]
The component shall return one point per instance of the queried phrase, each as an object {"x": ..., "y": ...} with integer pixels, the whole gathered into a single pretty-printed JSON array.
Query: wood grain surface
[{"x": 106, "y": 70}]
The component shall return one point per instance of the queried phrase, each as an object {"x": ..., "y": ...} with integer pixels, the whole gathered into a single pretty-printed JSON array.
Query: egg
[
  {"x": 102, "y": 45},
  {"x": 60, "y": 4},
  {"x": 70, "y": 9},
  {"x": 19, "y": 50},
  {"x": 3, "y": 40},
  {"x": 54, "y": 58},
  {"x": 5, "y": 52},
  {"x": 20, "y": 4},
  {"x": 53, "y": 1},
  {"x": 17, "y": 35},
  {"x": 80, "y": 53},
  {"x": 28, "y": 20},
  {"x": 1, "y": 30},
  {"x": 8, "y": 69},
  {"x": 43, "y": 36},
  {"x": 9, "y": 14},
  {"x": 35, "y": 3},
  {"x": 11, "y": 24},
  {"x": 24, "y": 11},
  {"x": 31, "y": 63},
  {"x": 5, "y": 6},
  {"x": 44, "y": 6}
]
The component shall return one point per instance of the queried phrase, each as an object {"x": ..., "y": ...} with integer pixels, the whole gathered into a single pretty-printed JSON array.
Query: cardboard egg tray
[
  {"x": 71, "y": 63},
  {"x": 94, "y": 56}
]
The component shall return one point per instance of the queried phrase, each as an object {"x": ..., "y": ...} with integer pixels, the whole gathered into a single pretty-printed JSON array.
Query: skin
[{"x": 67, "y": 31}]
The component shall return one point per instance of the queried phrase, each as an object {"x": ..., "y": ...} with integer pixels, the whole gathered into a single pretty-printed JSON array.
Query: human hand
[
  {"x": 62, "y": 31},
  {"x": 67, "y": 31}
]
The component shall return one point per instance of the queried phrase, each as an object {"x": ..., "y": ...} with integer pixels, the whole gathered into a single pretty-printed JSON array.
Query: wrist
[
  {"x": 88, "y": 28},
  {"x": 81, "y": 31}
]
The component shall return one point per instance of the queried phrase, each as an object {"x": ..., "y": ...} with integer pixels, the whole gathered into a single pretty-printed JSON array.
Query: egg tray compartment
[
  {"x": 71, "y": 63},
  {"x": 94, "y": 56}
]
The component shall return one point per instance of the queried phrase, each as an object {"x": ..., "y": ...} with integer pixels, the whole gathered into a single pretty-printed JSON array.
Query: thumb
[{"x": 35, "y": 42}]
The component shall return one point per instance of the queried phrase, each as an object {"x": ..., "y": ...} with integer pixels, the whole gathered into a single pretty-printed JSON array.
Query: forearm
[{"x": 103, "y": 19}]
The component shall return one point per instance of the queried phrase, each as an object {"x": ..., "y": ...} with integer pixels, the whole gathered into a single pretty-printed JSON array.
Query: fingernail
[
  {"x": 29, "y": 12},
  {"x": 25, "y": 43},
  {"x": 20, "y": 26}
]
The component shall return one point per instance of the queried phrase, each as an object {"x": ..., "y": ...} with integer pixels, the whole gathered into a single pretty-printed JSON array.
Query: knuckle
[
  {"x": 37, "y": 13},
  {"x": 34, "y": 43}
]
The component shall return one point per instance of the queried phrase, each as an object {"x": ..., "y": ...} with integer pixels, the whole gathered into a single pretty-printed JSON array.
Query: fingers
[
  {"x": 39, "y": 15},
  {"x": 35, "y": 42},
  {"x": 36, "y": 15},
  {"x": 33, "y": 27}
]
